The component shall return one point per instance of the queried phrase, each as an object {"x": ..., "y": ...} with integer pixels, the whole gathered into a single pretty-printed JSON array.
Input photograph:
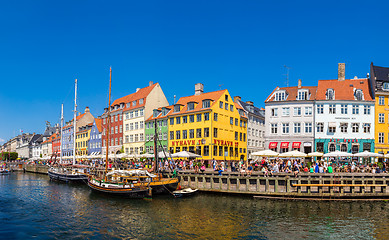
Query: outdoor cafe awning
[
  {"x": 273, "y": 145},
  {"x": 284, "y": 144},
  {"x": 296, "y": 144}
]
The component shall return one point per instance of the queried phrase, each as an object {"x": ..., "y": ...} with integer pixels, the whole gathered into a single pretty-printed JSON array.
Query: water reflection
[{"x": 32, "y": 206}]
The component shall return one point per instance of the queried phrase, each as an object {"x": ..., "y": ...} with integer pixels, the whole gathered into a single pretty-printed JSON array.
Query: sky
[{"x": 242, "y": 46}]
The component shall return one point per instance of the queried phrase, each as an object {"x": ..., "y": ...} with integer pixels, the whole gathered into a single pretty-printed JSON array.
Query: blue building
[{"x": 94, "y": 145}]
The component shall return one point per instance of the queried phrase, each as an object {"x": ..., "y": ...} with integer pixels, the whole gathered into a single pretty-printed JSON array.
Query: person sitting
[
  {"x": 249, "y": 170},
  {"x": 202, "y": 168}
]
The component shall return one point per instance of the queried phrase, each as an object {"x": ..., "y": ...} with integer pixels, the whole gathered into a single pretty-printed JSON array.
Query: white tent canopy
[
  {"x": 163, "y": 154},
  {"x": 146, "y": 155},
  {"x": 367, "y": 154},
  {"x": 265, "y": 153},
  {"x": 185, "y": 154},
  {"x": 315, "y": 154},
  {"x": 294, "y": 153},
  {"x": 338, "y": 153}
]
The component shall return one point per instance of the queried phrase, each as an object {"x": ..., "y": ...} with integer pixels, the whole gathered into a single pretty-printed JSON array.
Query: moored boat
[
  {"x": 70, "y": 173},
  {"x": 4, "y": 171},
  {"x": 186, "y": 192}
]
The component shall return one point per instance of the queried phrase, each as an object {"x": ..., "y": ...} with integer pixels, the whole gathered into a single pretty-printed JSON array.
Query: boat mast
[
  {"x": 156, "y": 146},
  {"x": 60, "y": 145},
  {"x": 109, "y": 121},
  {"x": 74, "y": 123}
]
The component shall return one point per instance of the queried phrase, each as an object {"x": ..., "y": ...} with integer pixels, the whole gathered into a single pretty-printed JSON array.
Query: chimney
[
  {"x": 199, "y": 89},
  {"x": 87, "y": 109},
  {"x": 151, "y": 83},
  {"x": 137, "y": 89},
  {"x": 250, "y": 103},
  {"x": 236, "y": 98},
  {"x": 299, "y": 84},
  {"x": 341, "y": 71}
]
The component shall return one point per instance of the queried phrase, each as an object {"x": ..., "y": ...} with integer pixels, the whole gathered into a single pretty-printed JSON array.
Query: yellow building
[
  {"x": 379, "y": 83},
  {"x": 208, "y": 124},
  {"x": 82, "y": 139}
]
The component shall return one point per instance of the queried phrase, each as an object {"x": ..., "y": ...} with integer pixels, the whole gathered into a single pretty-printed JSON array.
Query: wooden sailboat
[
  {"x": 116, "y": 182},
  {"x": 71, "y": 172}
]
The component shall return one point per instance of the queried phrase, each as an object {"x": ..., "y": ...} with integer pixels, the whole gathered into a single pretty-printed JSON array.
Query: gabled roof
[
  {"x": 171, "y": 107},
  {"x": 257, "y": 111},
  {"x": 344, "y": 90},
  {"x": 292, "y": 92},
  {"x": 141, "y": 93},
  {"x": 380, "y": 73},
  {"x": 99, "y": 124},
  {"x": 71, "y": 121}
]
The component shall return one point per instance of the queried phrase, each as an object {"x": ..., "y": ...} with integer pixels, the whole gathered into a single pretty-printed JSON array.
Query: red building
[
  {"x": 56, "y": 144},
  {"x": 116, "y": 127}
]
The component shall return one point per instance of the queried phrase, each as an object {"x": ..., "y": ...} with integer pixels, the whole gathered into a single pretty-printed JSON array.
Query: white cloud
[{"x": 2, "y": 140}]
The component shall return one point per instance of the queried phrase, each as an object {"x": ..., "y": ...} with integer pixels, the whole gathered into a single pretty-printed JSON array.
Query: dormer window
[
  {"x": 358, "y": 94},
  {"x": 140, "y": 101},
  {"x": 156, "y": 112},
  {"x": 165, "y": 111},
  {"x": 116, "y": 107},
  {"x": 133, "y": 103},
  {"x": 330, "y": 94},
  {"x": 177, "y": 108},
  {"x": 385, "y": 86},
  {"x": 279, "y": 96},
  {"x": 121, "y": 105},
  {"x": 190, "y": 106},
  {"x": 302, "y": 95},
  {"x": 128, "y": 105},
  {"x": 206, "y": 103}
]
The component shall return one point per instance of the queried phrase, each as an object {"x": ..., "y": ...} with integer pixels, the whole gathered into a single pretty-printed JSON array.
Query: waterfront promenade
[{"x": 280, "y": 185}]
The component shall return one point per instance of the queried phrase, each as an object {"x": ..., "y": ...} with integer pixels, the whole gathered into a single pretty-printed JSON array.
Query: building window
[
  {"x": 178, "y": 135},
  {"x": 206, "y": 132},
  {"x": 215, "y": 132},
  {"x": 381, "y": 137},
  {"x": 355, "y": 109},
  {"x": 343, "y": 147},
  {"x": 297, "y": 111},
  {"x": 308, "y": 111},
  {"x": 343, "y": 127},
  {"x": 332, "y": 109},
  {"x": 366, "y": 110},
  {"x": 190, "y": 106},
  {"x": 274, "y": 112},
  {"x": 141, "y": 112},
  {"x": 343, "y": 109},
  {"x": 141, "y": 101},
  {"x": 236, "y": 122},
  {"x": 171, "y": 121},
  {"x": 171, "y": 135},
  {"x": 236, "y": 136},
  {"x": 331, "y": 147},
  {"x": 330, "y": 94},
  {"x": 274, "y": 128},
  {"x": 355, "y": 127},
  {"x": 136, "y": 125},
  {"x": 178, "y": 120},
  {"x": 320, "y": 109},
  {"x": 206, "y": 151},
  {"x": 184, "y": 119},
  {"x": 285, "y": 111},
  {"x": 215, "y": 116},
  {"x": 297, "y": 127},
  {"x": 320, "y": 127},
  {"x": 198, "y": 133},
  {"x": 366, "y": 127},
  {"x": 206, "y": 116},
  {"x": 191, "y": 118},
  {"x": 231, "y": 120},
  {"x": 381, "y": 118},
  {"x": 285, "y": 128},
  {"x": 279, "y": 96},
  {"x": 177, "y": 108},
  {"x": 331, "y": 129},
  {"x": 302, "y": 95},
  {"x": 191, "y": 133},
  {"x": 221, "y": 104},
  {"x": 184, "y": 134},
  {"x": 231, "y": 108},
  {"x": 358, "y": 94},
  {"x": 198, "y": 116},
  {"x": 385, "y": 86},
  {"x": 308, "y": 127},
  {"x": 226, "y": 106},
  {"x": 381, "y": 100},
  {"x": 206, "y": 103}
]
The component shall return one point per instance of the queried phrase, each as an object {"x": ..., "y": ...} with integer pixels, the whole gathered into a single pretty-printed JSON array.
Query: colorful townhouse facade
[
  {"x": 379, "y": 82},
  {"x": 67, "y": 131},
  {"x": 157, "y": 120},
  {"x": 82, "y": 139},
  {"x": 56, "y": 145},
  {"x": 290, "y": 119},
  {"x": 345, "y": 113},
  {"x": 115, "y": 127},
  {"x": 95, "y": 141},
  {"x": 209, "y": 124}
]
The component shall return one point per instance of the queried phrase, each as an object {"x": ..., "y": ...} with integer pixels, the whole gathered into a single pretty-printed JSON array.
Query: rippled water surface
[{"x": 33, "y": 207}]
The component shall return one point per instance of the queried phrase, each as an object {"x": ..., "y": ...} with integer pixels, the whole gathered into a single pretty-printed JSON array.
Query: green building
[{"x": 159, "y": 116}]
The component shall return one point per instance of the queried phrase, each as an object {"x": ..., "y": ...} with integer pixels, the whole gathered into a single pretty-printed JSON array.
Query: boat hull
[
  {"x": 164, "y": 186},
  {"x": 63, "y": 177},
  {"x": 133, "y": 192}
]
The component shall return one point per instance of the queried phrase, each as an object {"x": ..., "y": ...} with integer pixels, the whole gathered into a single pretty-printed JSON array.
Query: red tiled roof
[
  {"x": 141, "y": 93},
  {"x": 99, "y": 124},
  {"x": 71, "y": 121},
  {"x": 292, "y": 92},
  {"x": 344, "y": 90},
  {"x": 160, "y": 115}
]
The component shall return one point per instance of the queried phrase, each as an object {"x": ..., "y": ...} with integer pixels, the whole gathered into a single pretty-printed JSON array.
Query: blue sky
[{"x": 240, "y": 45}]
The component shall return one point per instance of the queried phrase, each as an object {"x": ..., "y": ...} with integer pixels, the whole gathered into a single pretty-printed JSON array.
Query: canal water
[{"x": 31, "y": 206}]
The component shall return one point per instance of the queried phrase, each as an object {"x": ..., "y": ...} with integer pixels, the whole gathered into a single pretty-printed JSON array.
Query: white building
[
  {"x": 344, "y": 116},
  {"x": 289, "y": 119},
  {"x": 255, "y": 126}
]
